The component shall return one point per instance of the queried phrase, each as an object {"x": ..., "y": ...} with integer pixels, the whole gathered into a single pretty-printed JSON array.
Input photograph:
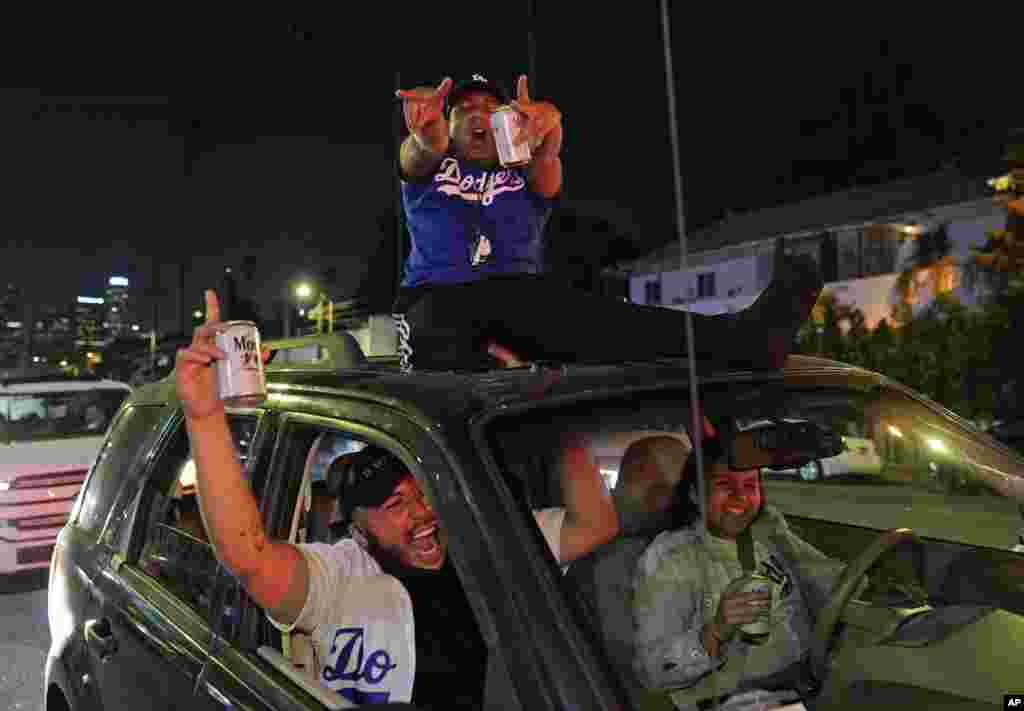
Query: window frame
[
  {"x": 133, "y": 466},
  {"x": 137, "y": 517}
]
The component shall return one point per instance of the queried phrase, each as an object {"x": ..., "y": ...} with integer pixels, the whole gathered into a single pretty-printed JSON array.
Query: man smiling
[
  {"x": 390, "y": 589},
  {"x": 687, "y": 616},
  {"x": 474, "y": 291}
]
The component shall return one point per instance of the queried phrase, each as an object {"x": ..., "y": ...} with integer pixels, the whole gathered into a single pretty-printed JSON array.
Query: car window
[
  {"x": 176, "y": 551},
  {"x": 131, "y": 435},
  {"x": 48, "y": 415},
  {"x": 905, "y": 463},
  {"x": 314, "y": 448},
  {"x": 640, "y": 446}
]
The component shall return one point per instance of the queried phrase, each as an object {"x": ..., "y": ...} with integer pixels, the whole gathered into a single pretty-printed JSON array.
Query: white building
[{"x": 862, "y": 239}]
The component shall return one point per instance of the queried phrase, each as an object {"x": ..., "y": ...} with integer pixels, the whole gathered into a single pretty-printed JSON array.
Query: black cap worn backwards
[{"x": 364, "y": 478}]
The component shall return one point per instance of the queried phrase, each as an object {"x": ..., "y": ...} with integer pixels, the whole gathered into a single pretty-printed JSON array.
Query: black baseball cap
[
  {"x": 364, "y": 478},
  {"x": 477, "y": 82}
]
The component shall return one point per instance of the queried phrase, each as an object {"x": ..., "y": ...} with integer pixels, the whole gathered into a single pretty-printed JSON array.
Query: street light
[
  {"x": 304, "y": 291},
  {"x": 197, "y": 314}
]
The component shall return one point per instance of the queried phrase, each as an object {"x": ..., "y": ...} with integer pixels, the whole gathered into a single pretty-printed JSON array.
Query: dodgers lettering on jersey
[
  {"x": 348, "y": 662},
  {"x": 445, "y": 213},
  {"x": 367, "y": 649}
]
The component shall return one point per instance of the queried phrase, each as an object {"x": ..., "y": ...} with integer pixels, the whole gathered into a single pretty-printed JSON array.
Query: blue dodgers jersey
[{"x": 443, "y": 215}]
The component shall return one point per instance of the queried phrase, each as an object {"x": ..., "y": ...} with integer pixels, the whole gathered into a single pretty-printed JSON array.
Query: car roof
[
  {"x": 456, "y": 396},
  {"x": 57, "y": 383}
]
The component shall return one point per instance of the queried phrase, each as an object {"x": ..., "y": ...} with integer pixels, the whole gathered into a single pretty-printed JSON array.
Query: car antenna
[
  {"x": 696, "y": 425},
  {"x": 696, "y": 416}
]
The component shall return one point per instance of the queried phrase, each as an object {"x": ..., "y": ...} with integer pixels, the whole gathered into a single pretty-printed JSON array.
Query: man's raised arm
[
  {"x": 590, "y": 517},
  {"x": 427, "y": 143},
  {"x": 544, "y": 132},
  {"x": 274, "y": 573}
]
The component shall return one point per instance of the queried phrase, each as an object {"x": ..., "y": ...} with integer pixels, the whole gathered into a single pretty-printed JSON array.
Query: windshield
[
  {"x": 904, "y": 462},
  {"x": 35, "y": 416}
]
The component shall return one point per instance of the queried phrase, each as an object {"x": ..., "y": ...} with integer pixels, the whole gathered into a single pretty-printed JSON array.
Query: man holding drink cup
[{"x": 736, "y": 596}]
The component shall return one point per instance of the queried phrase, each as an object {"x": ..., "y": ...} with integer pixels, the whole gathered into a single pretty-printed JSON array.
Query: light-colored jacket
[{"x": 679, "y": 581}]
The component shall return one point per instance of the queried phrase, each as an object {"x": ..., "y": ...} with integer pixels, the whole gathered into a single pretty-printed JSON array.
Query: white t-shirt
[{"x": 361, "y": 620}]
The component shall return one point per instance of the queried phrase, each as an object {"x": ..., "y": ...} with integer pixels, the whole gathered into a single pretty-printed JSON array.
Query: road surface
[{"x": 24, "y": 640}]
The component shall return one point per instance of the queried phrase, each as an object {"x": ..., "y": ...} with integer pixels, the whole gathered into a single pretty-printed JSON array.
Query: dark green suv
[{"x": 143, "y": 616}]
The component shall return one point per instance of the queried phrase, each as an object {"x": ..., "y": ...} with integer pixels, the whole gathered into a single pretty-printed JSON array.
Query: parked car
[
  {"x": 859, "y": 458},
  {"x": 51, "y": 427},
  {"x": 142, "y": 615}
]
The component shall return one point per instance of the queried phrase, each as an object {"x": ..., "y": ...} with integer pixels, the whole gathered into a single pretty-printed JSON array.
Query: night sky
[{"x": 203, "y": 143}]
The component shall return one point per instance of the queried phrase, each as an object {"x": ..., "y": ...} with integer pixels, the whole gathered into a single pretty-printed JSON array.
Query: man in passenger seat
[
  {"x": 686, "y": 621},
  {"x": 376, "y": 635},
  {"x": 395, "y": 532}
]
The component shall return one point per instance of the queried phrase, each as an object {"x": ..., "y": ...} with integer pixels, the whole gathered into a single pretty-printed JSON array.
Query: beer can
[
  {"x": 240, "y": 380},
  {"x": 506, "y": 123},
  {"x": 758, "y": 631}
]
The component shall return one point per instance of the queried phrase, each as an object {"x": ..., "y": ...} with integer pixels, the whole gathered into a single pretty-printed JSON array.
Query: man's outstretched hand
[
  {"x": 424, "y": 112},
  {"x": 541, "y": 116},
  {"x": 195, "y": 376}
]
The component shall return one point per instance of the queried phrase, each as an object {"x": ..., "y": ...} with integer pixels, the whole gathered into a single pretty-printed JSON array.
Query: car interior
[
  {"x": 599, "y": 587},
  {"x": 919, "y": 593}
]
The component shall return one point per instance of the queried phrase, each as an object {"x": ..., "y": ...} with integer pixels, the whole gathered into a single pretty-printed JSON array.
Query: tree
[
  {"x": 931, "y": 256},
  {"x": 1004, "y": 251},
  {"x": 835, "y": 330}
]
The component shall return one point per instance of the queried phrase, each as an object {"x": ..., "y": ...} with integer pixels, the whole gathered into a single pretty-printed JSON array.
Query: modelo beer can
[
  {"x": 758, "y": 631},
  {"x": 506, "y": 123},
  {"x": 240, "y": 381}
]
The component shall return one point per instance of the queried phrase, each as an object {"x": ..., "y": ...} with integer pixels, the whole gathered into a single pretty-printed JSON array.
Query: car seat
[{"x": 603, "y": 580}]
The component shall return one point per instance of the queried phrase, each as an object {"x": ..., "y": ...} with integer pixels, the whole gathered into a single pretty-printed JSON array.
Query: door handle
[{"x": 100, "y": 637}]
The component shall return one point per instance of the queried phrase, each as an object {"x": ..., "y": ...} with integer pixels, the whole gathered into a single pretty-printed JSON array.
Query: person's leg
[
  {"x": 438, "y": 330},
  {"x": 539, "y": 319},
  {"x": 536, "y": 318}
]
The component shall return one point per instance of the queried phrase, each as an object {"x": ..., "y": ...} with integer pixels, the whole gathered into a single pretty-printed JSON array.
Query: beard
[{"x": 390, "y": 559}]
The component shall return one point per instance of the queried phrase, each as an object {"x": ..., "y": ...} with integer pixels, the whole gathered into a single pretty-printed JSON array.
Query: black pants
[{"x": 447, "y": 327}]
